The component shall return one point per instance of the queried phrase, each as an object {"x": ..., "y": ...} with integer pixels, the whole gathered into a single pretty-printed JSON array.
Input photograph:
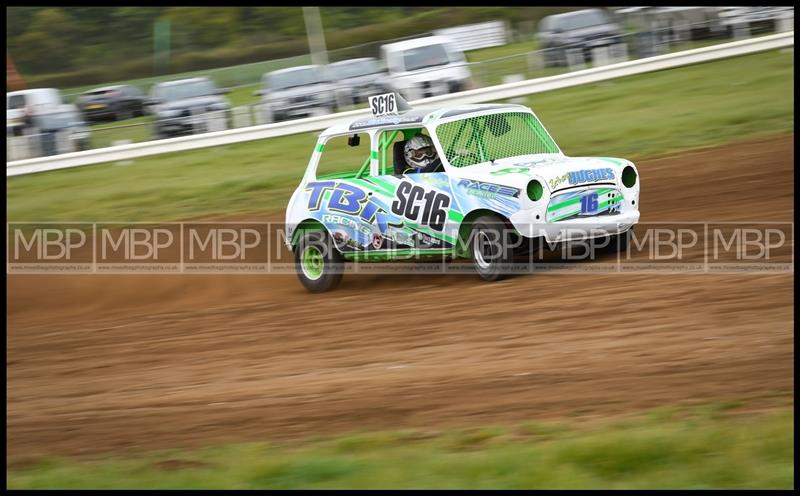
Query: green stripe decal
[
  {"x": 365, "y": 182},
  {"x": 571, "y": 201},
  {"x": 576, "y": 212},
  {"x": 618, "y": 163},
  {"x": 385, "y": 184},
  {"x": 374, "y": 154},
  {"x": 455, "y": 215},
  {"x": 610, "y": 201},
  {"x": 431, "y": 232},
  {"x": 600, "y": 206},
  {"x": 320, "y": 147},
  {"x": 389, "y": 254},
  {"x": 567, "y": 203}
]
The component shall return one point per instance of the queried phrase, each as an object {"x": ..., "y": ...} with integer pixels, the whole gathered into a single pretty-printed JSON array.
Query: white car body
[
  {"x": 576, "y": 197},
  {"x": 35, "y": 100},
  {"x": 412, "y": 82}
]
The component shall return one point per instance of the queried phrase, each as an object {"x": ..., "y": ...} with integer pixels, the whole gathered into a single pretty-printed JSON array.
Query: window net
[{"x": 479, "y": 139}]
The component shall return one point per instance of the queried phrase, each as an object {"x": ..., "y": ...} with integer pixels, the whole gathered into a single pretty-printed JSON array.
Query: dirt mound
[{"x": 110, "y": 363}]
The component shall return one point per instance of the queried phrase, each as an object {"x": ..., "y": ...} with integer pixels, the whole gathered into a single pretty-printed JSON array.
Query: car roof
[
  {"x": 27, "y": 92},
  {"x": 348, "y": 61},
  {"x": 418, "y": 42},
  {"x": 106, "y": 88},
  {"x": 296, "y": 68},
  {"x": 417, "y": 117},
  {"x": 182, "y": 81},
  {"x": 574, "y": 13}
]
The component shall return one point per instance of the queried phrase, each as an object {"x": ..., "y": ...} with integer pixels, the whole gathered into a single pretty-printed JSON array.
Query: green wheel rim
[{"x": 312, "y": 263}]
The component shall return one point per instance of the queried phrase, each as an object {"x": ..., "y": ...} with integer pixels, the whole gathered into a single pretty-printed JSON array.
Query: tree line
[{"x": 88, "y": 43}]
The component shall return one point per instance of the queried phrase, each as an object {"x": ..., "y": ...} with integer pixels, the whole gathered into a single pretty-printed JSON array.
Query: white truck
[
  {"x": 425, "y": 67},
  {"x": 21, "y": 105}
]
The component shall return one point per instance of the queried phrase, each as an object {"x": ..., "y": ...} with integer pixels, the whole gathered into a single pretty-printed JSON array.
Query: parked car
[
  {"x": 425, "y": 67},
  {"x": 297, "y": 92},
  {"x": 112, "y": 103},
  {"x": 21, "y": 105},
  {"x": 758, "y": 20},
  {"x": 585, "y": 29},
  {"x": 63, "y": 122},
  {"x": 672, "y": 23},
  {"x": 359, "y": 78},
  {"x": 176, "y": 105},
  {"x": 472, "y": 181}
]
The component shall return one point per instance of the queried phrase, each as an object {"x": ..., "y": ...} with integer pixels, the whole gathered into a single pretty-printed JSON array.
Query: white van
[
  {"x": 32, "y": 101},
  {"x": 426, "y": 67}
]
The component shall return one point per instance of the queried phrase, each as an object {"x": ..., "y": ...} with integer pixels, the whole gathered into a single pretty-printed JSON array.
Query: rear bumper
[{"x": 99, "y": 113}]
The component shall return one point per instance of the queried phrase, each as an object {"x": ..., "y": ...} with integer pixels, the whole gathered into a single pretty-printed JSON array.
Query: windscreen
[
  {"x": 185, "y": 90},
  {"x": 15, "y": 102},
  {"x": 101, "y": 92},
  {"x": 355, "y": 69},
  {"x": 300, "y": 77},
  {"x": 425, "y": 56},
  {"x": 582, "y": 20},
  {"x": 474, "y": 140}
]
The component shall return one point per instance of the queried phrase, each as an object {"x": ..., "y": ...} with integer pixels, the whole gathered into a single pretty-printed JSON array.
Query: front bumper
[{"x": 574, "y": 229}]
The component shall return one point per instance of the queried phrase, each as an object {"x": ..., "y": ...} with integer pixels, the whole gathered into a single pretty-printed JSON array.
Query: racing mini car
[{"x": 501, "y": 181}]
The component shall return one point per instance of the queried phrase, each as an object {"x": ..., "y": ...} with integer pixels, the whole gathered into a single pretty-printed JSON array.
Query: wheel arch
[
  {"x": 466, "y": 225},
  {"x": 306, "y": 225}
]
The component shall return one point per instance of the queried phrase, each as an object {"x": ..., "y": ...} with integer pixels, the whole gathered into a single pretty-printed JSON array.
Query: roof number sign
[{"x": 383, "y": 104}]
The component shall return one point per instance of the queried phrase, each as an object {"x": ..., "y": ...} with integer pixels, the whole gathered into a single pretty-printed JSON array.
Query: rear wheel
[
  {"x": 319, "y": 264},
  {"x": 123, "y": 114},
  {"x": 491, "y": 248}
]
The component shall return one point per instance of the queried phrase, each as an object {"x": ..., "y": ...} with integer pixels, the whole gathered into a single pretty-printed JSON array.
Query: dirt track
[{"x": 104, "y": 363}]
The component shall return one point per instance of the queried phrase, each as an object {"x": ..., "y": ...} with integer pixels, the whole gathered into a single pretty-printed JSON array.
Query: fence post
[
  {"x": 785, "y": 22},
  {"x": 515, "y": 78},
  {"x": 122, "y": 142},
  {"x": 575, "y": 59},
  {"x": 241, "y": 116},
  {"x": 600, "y": 56},
  {"x": 741, "y": 30},
  {"x": 63, "y": 143},
  {"x": 619, "y": 52}
]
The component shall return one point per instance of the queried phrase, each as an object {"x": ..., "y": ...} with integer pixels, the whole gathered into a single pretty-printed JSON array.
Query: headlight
[
  {"x": 166, "y": 114},
  {"x": 80, "y": 135},
  {"x": 628, "y": 176},
  {"x": 535, "y": 190}
]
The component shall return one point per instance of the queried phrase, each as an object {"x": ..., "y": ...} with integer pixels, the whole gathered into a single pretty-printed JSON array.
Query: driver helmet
[{"x": 419, "y": 151}]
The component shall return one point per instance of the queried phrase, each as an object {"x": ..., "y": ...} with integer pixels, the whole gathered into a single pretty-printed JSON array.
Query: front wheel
[
  {"x": 318, "y": 263},
  {"x": 491, "y": 248},
  {"x": 615, "y": 243}
]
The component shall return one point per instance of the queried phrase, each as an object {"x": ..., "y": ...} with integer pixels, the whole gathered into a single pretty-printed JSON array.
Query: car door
[{"x": 421, "y": 204}]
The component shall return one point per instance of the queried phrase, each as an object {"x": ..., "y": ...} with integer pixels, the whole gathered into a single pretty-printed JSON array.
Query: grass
[
  {"x": 633, "y": 117},
  {"x": 689, "y": 448}
]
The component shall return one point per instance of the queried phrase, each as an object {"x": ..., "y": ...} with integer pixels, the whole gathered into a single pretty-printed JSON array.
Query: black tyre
[
  {"x": 122, "y": 114},
  {"x": 491, "y": 248},
  {"x": 616, "y": 242},
  {"x": 318, "y": 263}
]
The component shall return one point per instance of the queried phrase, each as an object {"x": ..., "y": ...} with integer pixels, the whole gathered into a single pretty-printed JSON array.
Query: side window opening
[
  {"x": 391, "y": 159},
  {"x": 340, "y": 160}
]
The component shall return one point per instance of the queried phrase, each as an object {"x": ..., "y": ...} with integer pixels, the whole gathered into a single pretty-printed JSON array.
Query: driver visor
[{"x": 425, "y": 151}]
